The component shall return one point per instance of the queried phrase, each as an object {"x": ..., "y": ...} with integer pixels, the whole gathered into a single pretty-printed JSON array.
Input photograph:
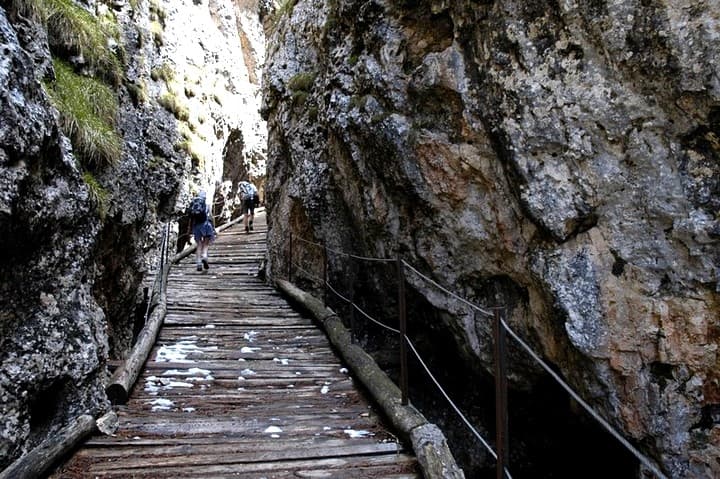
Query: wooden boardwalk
[{"x": 241, "y": 385}]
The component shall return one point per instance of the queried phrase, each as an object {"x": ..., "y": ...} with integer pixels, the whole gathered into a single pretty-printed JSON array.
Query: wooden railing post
[
  {"x": 403, "y": 332},
  {"x": 501, "y": 410}
]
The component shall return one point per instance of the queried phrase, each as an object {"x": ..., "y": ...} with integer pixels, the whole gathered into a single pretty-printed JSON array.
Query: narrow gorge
[{"x": 557, "y": 159}]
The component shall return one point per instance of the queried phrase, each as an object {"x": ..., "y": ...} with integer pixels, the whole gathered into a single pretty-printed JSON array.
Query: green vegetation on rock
[
  {"x": 302, "y": 81},
  {"x": 172, "y": 104},
  {"x": 300, "y": 86},
  {"x": 88, "y": 110},
  {"x": 285, "y": 8},
  {"x": 73, "y": 30},
  {"x": 99, "y": 196},
  {"x": 163, "y": 72}
]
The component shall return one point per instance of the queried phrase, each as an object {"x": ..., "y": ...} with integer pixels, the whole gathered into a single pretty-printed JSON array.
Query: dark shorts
[
  {"x": 203, "y": 230},
  {"x": 248, "y": 206}
]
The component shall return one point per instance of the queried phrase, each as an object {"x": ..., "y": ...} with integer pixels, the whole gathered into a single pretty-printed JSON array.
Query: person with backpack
[
  {"x": 250, "y": 199},
  {"x": 202, "y": 229}
]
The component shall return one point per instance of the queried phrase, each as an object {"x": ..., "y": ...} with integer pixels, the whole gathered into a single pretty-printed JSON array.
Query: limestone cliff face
[
  {"x": 78, "y": 240},
  {"x": 558, "y": 157}
]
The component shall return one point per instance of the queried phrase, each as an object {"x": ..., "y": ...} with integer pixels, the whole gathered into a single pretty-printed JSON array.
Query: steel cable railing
[
  {"x": 585, "y": 405},
  {"x": 159, "y": 276},
  {"x": 501, "y": 328}
]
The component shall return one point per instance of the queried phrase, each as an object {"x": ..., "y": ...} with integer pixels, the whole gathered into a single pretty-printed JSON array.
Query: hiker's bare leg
[{"x": 198, "y": 254}]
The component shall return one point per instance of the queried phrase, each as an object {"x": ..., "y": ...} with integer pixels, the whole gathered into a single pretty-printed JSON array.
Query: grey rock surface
[
  {"x": 53, "y": 341},
  {"x": 560, "y": 157}
]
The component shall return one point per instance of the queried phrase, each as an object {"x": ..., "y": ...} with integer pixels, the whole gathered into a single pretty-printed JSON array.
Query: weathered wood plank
[{"x": 230, "y": 464}]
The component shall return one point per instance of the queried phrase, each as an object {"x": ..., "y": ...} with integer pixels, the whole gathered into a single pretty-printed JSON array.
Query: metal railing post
[
  {"x": 353, "y": 275},
  {"x": 403, "y": 332},
  {"x": 501, "y": 408},
  {"x": 325, "y": 273},
  {"x": 290, "y": 255}
]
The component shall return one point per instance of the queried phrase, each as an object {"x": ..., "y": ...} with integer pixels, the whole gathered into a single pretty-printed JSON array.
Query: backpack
[
  {"x": 198, "y": 210},
  {"x": 248, "y": 190}
]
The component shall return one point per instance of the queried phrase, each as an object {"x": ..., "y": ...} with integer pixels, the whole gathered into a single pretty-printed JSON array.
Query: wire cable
[
  {"x": 445, "y": 290},
  {"x": 307, "y": 241},
  {"x": 307, "y": 273},
  {"x": 362, "y": 258},
  {"x": 337, "y": 293},
  {"x": 646, "y": 462},
  {"x": 450, "y": 401},
  {"x": 357, "y": 308}
]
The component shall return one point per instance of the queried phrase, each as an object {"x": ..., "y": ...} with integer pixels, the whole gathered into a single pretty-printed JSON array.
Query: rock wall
[
  {"x": 79, "y": 240},
  {"x": 53, "y": 336},
  {"x": 560, "y": 158}
]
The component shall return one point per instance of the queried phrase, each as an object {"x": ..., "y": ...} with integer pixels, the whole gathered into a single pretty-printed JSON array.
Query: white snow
[
  {"x": 187, "y": 372},
  {"x": 356, "y": 434},
  {"x": 153, "y": 384},
  {"x": 273, "y": 429},
  {"x": 247, "y": 372},
  {"x": 282, "y": 361},
  {"x": 161, "y": 404},
  {"x": 250, "y": 336},
  {"x": 324, "y": 390},
  {"x": 246, "y": 349},
  {"x": 178, "y": 353}
]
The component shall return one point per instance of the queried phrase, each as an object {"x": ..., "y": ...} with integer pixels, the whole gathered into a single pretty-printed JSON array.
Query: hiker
[
  {"x": 202, "y": 229},
  {"x": 249, "y": 197}
]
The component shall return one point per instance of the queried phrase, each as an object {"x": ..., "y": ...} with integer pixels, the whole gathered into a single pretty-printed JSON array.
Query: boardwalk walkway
[{"x": 241, "y": 385}]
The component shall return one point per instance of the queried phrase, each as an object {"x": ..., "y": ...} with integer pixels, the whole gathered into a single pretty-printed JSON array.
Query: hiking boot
[
  {"x": 199, "y": 267},
  {"x": 247, "y": 229},
  {"x": 205, "y": 263},
  {"x": 251, "y": 228}
]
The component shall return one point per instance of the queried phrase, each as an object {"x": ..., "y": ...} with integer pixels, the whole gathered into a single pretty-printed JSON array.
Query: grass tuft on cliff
[
  {"x": 284, "y": 9},
  {"x": 300, "y": 86},
  {"x": 99, "y": 196},
  {"x": 88, "y": 110},
  {"x": 72, "y": 30},
  {"x": 302, "y": 81}
]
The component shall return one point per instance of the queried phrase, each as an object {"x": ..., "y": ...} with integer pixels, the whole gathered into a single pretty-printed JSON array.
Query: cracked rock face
[
  {"x": 53, "y": 340},
  {"x": 563, "y": 157}
]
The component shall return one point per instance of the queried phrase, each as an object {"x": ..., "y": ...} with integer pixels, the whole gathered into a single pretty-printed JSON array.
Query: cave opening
[{"x": 47, "y": 405}]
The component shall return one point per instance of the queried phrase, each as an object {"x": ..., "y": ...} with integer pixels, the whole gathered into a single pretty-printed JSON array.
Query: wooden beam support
[
  {"x": 125, "y": 376},
  {"x": 38, "y": 461}
]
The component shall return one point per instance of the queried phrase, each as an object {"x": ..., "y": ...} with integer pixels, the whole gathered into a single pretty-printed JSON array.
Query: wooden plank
[
  {"x": 231, "y": 465},
  {"x": 160, "y": 456}
]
